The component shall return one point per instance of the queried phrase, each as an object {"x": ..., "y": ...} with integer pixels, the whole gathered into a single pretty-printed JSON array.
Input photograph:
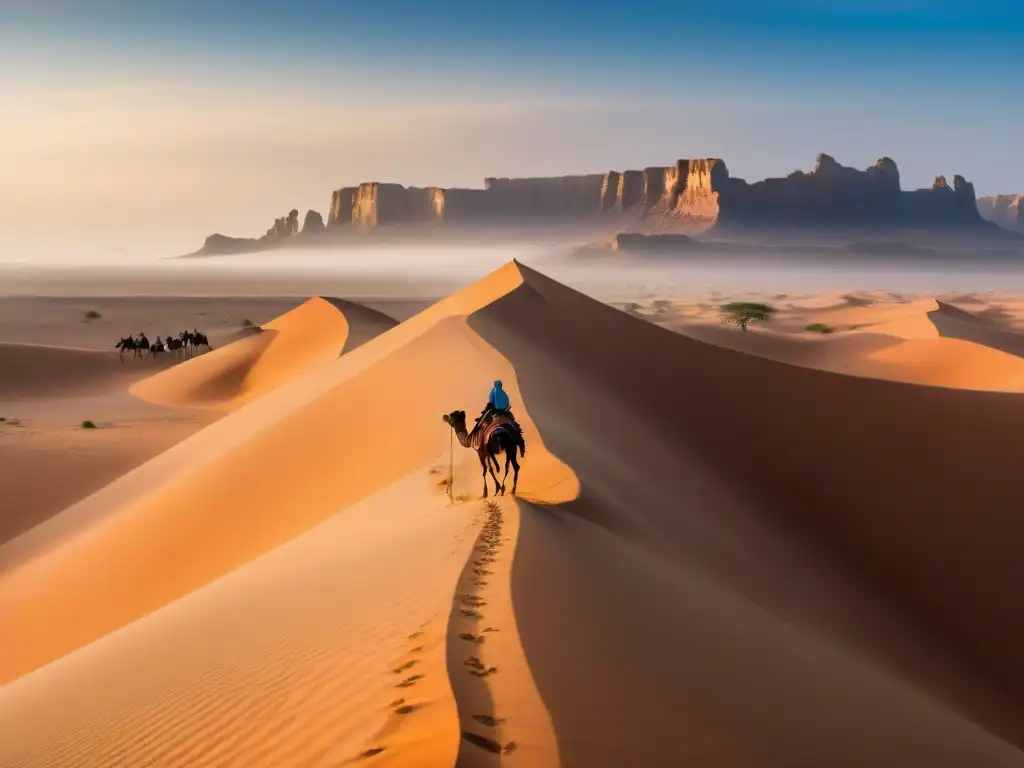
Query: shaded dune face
[{"x": 818, "y": 532}]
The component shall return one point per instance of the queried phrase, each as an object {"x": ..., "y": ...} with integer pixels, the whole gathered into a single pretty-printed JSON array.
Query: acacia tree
[{"x": 742, "y": 313}]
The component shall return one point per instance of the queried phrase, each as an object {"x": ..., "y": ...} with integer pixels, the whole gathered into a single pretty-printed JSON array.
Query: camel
[
  {"x": 126, "y": 343},
  {"x": 192, "y": 340},
  {"x": 138, "y": 346},
  {"x": 174, "y": 345},
  {"x": 156, "y": 347},
  {"x": 499, "y": 435}
]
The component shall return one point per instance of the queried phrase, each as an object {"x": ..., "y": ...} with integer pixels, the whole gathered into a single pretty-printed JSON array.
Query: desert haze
[{"x": 788, "y": 544}]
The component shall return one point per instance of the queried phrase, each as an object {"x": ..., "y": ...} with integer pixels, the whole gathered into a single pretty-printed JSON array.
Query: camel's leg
[
  {"x": 515, "y": 470},
  {"x": 498, "y": 487},
  {"x": 483, "y": 463},
  {"x": 508, "y": 462}
]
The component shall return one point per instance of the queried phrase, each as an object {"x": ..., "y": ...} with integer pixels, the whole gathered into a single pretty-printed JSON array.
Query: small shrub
[
  {"x": 819, "y": 328},
  {"x": 89, "y": 424},
  {"x": 92, "y": 314},
  {"x": 743, "y": 313},
  {"x": 247, "y": 323}
]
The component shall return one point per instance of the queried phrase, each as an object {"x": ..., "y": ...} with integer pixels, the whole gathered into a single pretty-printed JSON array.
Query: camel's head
[{"x": 456, "y": 419}]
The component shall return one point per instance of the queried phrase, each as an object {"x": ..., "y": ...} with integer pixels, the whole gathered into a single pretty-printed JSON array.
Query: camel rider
[{"x": 498, "y": 403}]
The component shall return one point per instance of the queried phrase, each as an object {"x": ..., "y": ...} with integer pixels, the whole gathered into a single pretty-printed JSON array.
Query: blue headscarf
[{"x": 498, "y": 397}]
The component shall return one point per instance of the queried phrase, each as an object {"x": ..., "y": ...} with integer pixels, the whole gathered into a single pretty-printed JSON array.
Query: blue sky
[{"x": 244, "y": 109}]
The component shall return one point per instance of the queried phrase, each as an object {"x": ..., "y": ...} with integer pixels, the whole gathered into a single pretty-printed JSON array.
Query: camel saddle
[{"x": 482, "y": 432}]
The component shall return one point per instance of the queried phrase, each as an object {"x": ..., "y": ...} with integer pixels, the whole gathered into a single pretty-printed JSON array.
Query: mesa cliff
[
  {"x": 1005, "y": 210},
  {"x": 698, "y": 194}
]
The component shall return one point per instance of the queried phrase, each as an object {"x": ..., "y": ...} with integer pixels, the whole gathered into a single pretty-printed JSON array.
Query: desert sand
[{"x": 725, "y": 549}]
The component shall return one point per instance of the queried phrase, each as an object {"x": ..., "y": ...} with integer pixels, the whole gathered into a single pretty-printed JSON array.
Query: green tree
[{"x": 743, "y": 313}]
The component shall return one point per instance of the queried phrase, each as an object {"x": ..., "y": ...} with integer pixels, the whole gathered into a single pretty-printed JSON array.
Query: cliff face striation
[
  {"x": 1005, "y": 210},
  {"x": 691, "y": 191}
]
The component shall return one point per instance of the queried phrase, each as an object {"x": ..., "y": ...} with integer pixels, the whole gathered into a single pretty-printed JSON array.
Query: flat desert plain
[{"x": 795, "y": 545}]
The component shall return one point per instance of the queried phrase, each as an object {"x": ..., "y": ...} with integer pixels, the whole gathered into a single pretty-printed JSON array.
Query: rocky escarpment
[
  {"x": 1005, "y": 210},
  {"x": 690, "y": 191},
  {"x": 832, "y": 195},
  {"x": 695, "y": 190}
]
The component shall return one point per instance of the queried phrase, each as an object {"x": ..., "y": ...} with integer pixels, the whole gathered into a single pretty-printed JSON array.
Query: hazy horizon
[{"x": 136, "y": 129}]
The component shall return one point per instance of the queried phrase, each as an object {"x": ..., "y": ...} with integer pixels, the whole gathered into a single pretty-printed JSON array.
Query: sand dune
[
  {"x": 875, "y": 317},
  {"x": 306, "y": 337},
  {"x": 252, "y": 482},
  {"x": 955, "y": 323},
  {"x": 776, "y": 536},
  {"x": 920, "y": 342},
  {"x": 946, "y": 362},
  {"x": 33, "y": 371},
  {"x": 716, "y": 559}
]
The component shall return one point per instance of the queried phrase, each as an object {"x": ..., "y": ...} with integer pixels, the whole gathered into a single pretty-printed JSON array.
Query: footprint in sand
[
  {"x": 371, "y": 752},
  {"x": 409, "y": 681},
  {"x": 406, "y": 709},
  {"x": 407, "y": 665},
  {"x": 493, "y": 722},
  {"x": 489, "y": 744}
]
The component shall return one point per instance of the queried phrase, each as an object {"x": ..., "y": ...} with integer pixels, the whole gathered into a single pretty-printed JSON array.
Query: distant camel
[
  {"x": 141, "y": 345},
  {"x": 138, "y": 346},
  {"x": 175, "y": 345},
  {"x": 156, "y": 347},
  {"x": 499, "y": 435},
  {"x": 192, "y": 340},
  {"x": 126, "y": 343}
]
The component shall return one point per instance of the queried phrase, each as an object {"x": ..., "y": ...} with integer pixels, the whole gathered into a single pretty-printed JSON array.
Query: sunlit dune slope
[
  {"x": 37, "y": 371},
  {"x": 773, "y": 565},
  {"x": 824, "y": 351},
  {"x": 294, "y": 343},
  {"x": 249, "y": 483},
  {"x": 899, "y": 342},
  {"x": 287, "y": 661},
  {"x": 906, "y": 319},
  {"x": 946, "y": 363}
]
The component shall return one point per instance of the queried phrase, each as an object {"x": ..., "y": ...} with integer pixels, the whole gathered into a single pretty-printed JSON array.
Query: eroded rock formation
[
  {"x": 286, "y": 226},
  {"x": 313, "y": 224},
  {"x": 1005, "y": 210},
  {"x": 691, "y": 190},
  {"x": 830, "y": 195}
]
